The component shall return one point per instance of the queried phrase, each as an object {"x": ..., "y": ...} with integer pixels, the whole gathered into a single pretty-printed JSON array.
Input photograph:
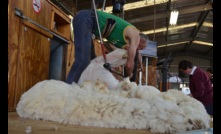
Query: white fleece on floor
[{"x": 130, "y": 106}]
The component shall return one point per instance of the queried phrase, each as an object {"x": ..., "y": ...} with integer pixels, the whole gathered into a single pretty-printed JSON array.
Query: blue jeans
[{"x": 84, "y": 24}]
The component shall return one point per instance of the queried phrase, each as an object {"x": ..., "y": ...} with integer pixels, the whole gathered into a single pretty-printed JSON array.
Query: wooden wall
[
  {"x": 13, "y": 31},
  {"x": 29, "y": 45},
  {"x": 69, "y": 56},
  {"x": 151, "y": 73}
]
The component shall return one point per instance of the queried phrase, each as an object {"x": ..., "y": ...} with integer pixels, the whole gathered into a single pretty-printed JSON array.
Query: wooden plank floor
[{"x": 17, "y": 125}]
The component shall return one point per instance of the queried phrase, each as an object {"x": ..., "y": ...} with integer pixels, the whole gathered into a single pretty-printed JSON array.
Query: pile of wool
[
  {"x": 93, "y": 104},
  {"x": 100, "y": 100}
]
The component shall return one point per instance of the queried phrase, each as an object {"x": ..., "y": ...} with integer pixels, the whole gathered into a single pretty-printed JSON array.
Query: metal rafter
[
  {"x": 167, "y": 18},
  {"x": 196, "y": 29},
  {"x": 64, "y": 7},
  {"x": 167, "y": 24},
  {"x": 185, "y": 9},
  {"x": 209, "y": 51},
  {"x": 188, "y": 54}
]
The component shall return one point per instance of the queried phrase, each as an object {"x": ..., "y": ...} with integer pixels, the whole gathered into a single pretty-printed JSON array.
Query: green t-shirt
[{"x": 116, "y": 36}]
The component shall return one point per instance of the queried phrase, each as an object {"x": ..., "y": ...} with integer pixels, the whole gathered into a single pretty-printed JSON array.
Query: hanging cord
[
  {"x": 154, "y": 23},
  {"x": 99, "y": 31},
  {"x": 72, "y": 38},
  {"x": 76, "y": 5},
  {"x": 103, "y": 7},
  {"x": 106, "y": 65},
  {"x": 69, "y": 59}
]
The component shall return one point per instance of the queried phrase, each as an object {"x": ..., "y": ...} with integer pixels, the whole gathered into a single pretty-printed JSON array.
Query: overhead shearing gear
[
  {"x": 99, "y": 31},
  {"x": 110, "y": 23}
]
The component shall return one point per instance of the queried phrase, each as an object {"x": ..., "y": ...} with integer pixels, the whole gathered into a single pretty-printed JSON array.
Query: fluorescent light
[{"x": 173, "y": 17}]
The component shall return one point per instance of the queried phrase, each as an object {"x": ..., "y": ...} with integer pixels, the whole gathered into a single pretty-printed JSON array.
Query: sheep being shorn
[
  {"x": 96, "y": 71},
  {"x": 129, "y": 106}
]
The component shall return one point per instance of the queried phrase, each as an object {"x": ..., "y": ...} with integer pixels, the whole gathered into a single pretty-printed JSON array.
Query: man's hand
[
  {"x": 190, "y": 95},
  {"x": 139, "y": 69},
  {"x": 131, "y": 75},
  {"x": 140, "y": 66},
  {"x": 129, "y": 68}
]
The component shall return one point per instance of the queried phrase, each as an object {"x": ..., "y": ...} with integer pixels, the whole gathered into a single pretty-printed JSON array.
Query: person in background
[
  {"x": 209, "y": 72},
  {"x": 199, "y": 84},
  {"x": 120, "y": 34}
]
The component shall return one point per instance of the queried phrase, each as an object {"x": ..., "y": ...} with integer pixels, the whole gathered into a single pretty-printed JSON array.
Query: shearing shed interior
[{"x": 41, "y": 52}]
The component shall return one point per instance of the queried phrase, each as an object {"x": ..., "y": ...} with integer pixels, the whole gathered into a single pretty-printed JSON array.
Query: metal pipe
[
  {"x": 99, "y": 31},
  {"x": 146, "y": 70},
  {"x": 103, "y": 5}
]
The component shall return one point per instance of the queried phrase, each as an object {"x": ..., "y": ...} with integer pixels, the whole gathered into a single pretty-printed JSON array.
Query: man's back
[
  {"x": 200, "y": 86},
  {"x": 116, "y": 36}
]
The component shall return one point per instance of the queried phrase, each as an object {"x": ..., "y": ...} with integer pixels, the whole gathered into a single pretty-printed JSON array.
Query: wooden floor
[{"x": 17, "y": 125}]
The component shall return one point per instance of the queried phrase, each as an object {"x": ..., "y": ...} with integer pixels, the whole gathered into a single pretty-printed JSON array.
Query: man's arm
[
  {"x": 133, "y": 37},
  {"x": 198, "y": 85},
  {"x": 140, "y": 61}
]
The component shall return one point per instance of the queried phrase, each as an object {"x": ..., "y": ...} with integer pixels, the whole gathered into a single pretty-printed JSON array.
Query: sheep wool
[
  {"x": 100, "y": 100},
  {"x": 91, "y": 104},
  {"x": 96, "y": 71}
]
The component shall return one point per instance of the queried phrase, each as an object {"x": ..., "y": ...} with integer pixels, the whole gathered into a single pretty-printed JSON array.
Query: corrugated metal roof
[{"x": 194, "y": 26}]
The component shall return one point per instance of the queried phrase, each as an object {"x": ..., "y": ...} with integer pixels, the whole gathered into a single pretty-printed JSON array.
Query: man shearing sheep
[{"x": 120, "y": 35}]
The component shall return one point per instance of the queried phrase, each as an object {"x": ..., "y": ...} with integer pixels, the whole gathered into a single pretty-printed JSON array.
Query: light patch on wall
[
  {"x": 197, "y": 42},
  {"x": 170, "y": 28},
  {"x": 172, "y": 44},
  {"x": 203, "y": 43},
  {"x": 207, "y": 24},
  {"x": 138, "y": 4}
]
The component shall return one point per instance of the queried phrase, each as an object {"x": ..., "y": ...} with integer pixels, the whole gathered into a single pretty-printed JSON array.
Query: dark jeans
[
  {"x": 84, "y": 24},
  {"x": 209, "y": 109}
]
